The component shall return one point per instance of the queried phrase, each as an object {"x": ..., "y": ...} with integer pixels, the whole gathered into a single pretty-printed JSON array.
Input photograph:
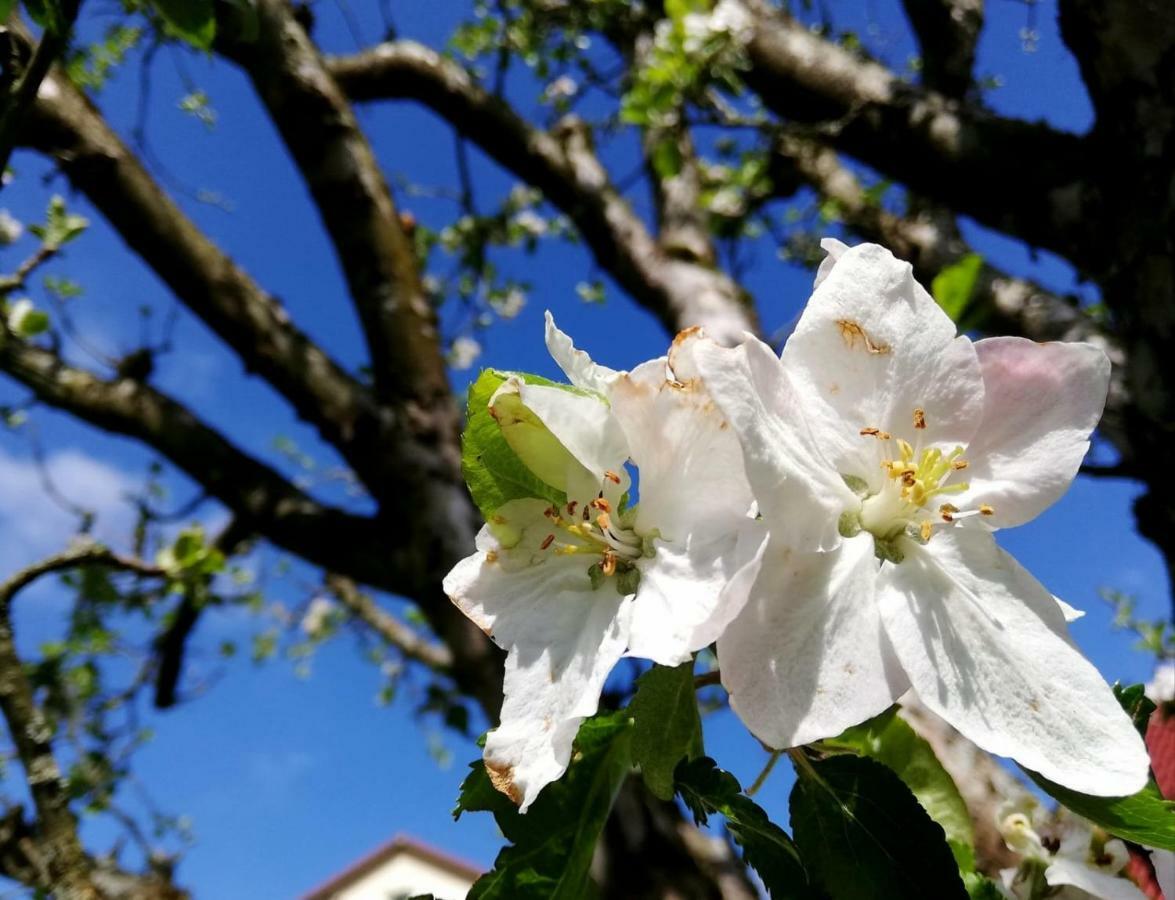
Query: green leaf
[
  {"x": 192, "y": 20},
  {"x": 552, "y": 844},
  {"x": 668, "y": 727},
  {"x": 1136, "y": 703},
  {"x": 1145, "y": 818},
  {"x": 864, "y": 836},
  {"x": 707, "y": 789},
  {"x": 890, "y": 740},
  {"x": 979, "y": 887},
  {"x": 953, "y": 286},
  {"x": 44, "y": 12},
  {"x": 6, "y": 8},
  {"x": 666, "y": 158},
  {"x": 492, "y": 470},
  {"x": 60, "y": 226},
  {"x": 25, "y": 320}
]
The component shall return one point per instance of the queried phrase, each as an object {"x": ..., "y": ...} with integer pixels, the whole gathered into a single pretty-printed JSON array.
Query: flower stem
[{"x": 771, "y": 761}]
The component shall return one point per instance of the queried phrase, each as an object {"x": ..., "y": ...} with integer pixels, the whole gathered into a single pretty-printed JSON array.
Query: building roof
[{"x": 399, "y": 845}]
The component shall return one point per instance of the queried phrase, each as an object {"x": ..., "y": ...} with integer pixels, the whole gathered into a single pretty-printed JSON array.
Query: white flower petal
[
  {"x": 576, "y": 364},
  {"x": 835, "y": 250},
  {"x": 692, "y": 482},
  {"x": 1093, "y": 881},
  {"x": 1042, "y": 401},
  {"x": 870, "y": 348},
  {"x": 982, "y": 642},
  {"x": 561, "y": 637},
  {"x": 1071, "y": 613},
  {"x": 807, "y": 657},
  {"x": 691, "y": 590},
  {"x": 799, "y": 492}
]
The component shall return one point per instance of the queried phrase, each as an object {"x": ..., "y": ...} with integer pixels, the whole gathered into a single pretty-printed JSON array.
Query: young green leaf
[
  {"x": 864, "y": 836},
  {"x": 492, "y": 469},
  {"x": 552, "y": 845},
  {"x": 191, "y": 20},
  {"x": 668, "y": 727},
  {"x": 893, "y": 743},
  {"x": 953, "y": 286},
  {"x": 25, "y": 320},
  {"x": 707, "y": 789},
  {"x": 60, "y": 225}
]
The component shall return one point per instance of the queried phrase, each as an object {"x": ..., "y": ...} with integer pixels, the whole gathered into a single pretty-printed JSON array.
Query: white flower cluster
[
  {"x": 1076, "y": 860},
  {"x": 826, "y": 518}
]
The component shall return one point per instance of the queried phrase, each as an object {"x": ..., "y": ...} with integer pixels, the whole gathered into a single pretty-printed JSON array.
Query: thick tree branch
[
  {"x": 62, "y": 866},
  {"x": 947, "y": 32},
  {"x": 565, "y": 167},
  {"x": 1021, "y": 178},
  {"x": 254, "y": 491},
  {"x": 377, "y": 256},
  {"x": 66, "y": 126},
  {"x": 405, "y": 551}
]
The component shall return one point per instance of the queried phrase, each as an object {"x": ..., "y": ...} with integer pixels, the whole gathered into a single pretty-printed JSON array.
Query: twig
[
  {"x": 436, "y": 656},
  {"x": 758, "y": 783},
  {"x": 17, "y": 279},
  {"x": 706, "y": 679},
  {"x": 89, "y": 555}
]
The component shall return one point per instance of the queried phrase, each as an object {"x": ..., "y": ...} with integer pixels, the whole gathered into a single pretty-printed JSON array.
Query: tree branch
[
  {"x": 563, "y": 164},
  {"x": 88, "y": 554},
  {"x": 377, "y": 256},
  {"x": 251, "y": 489},
  {"x": 1022, "y": 178},
  {"x": 387, "y": 627},
  {"x": 66, "y": 126},
  {"x": 931, "y": 243},
  {"x": 948, "y": 32}
]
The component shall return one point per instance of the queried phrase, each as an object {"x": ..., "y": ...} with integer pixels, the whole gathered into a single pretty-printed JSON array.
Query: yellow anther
[
  {"x": 985, "y": 510},
  {"x": 924, "y": 530},
  {"x": 601, "y": 504},
  {"x": 959, "y": 464},
  {"x": 875, "y": 432},
  {"x": 919, "y": 417},
  {"x": 604, "y": 521}
]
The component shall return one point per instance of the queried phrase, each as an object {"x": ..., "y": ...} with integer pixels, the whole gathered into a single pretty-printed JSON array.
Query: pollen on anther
[
  {"x": 959, "y": 465},
  {"x": 608, "y": 567},
  {"x": 919, "y": 417},
  {"x": 601, "y": 504},
  {"x": 924, "y": 530},
  {"x": 547, "y": 541},
  {"x": 985, "y": 510},
  {"x": 571, "y": 507},
  {"x": 604, "y": 521},
  {"x": 612, "y": 476},
  {"x": 875, "y": 432}
]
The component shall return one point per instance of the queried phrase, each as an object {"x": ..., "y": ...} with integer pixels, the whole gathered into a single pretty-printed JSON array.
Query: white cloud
[{"x": 34, "y": 524}]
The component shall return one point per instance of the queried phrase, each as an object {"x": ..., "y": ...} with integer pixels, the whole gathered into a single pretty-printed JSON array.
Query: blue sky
[{"x": 289, "y": 779}]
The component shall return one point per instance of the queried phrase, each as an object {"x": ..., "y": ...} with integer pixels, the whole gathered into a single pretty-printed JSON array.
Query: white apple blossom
[
  {"x": 569, "y": 589},
  {"x": 464, "y": 352},
  {"x": 883, "y": 450},
  {"x": 1077, "y": 860}
]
